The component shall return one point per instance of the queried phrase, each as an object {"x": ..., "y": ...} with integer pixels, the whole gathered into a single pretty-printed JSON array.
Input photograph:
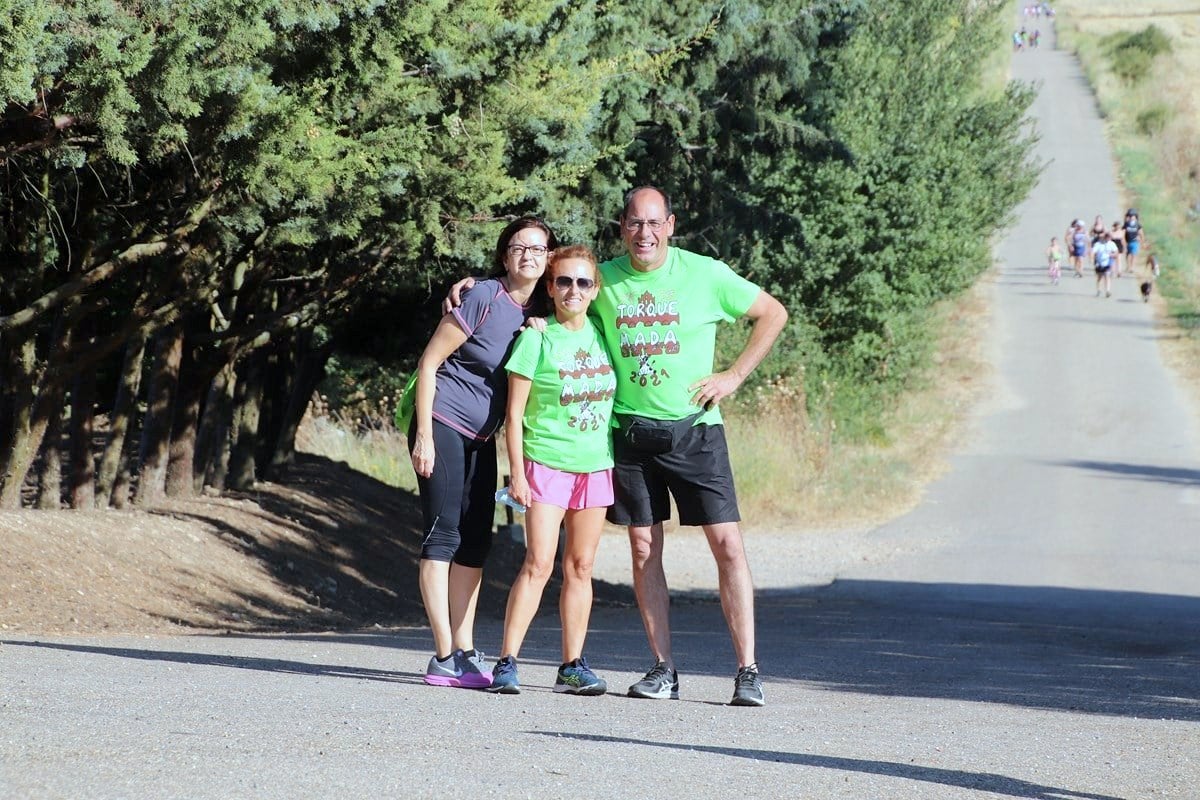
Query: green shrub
[
  {"x": 1132, "y": 54},
  {"x": 1153, "y": 120},
  {"x": 359, "y": 387}
]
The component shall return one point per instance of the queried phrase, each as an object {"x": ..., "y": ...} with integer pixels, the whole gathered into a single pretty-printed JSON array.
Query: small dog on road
[{"x": 1148, "y": 284}]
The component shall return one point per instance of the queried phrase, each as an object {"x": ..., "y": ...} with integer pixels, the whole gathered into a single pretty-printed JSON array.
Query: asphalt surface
[{"x": 1032, "y": 630}]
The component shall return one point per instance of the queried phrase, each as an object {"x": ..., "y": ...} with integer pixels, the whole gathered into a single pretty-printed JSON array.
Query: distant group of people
[
  {"x": 603, "y": 375},
  {"x": 1024, "y": 38},
  {"x": 1110, "y": 250}
]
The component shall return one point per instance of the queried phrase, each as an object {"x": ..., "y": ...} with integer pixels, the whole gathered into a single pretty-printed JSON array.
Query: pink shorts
[{"x": 573, "y": 490}]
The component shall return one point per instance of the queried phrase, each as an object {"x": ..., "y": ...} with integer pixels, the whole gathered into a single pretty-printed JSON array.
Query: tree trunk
[
  {"x": 83, "y": 415},
  {"x": 23, "y": 374},
  {"x": 156, "y": 432},
  {"x": 49, "y": 497},
  {"x": 39, "y": 399},
  {"x": 247, "y": 407},
  {"x": 276, "y": 381},
  {"x": 48, "y": 404},
  {"x": 194, "y": 380},
  {"x": 212, "y": 457},
  {"x": 307, "y": 373},
  {"x": 122, "y": 412},
  {"x": 6, "y": 397},
  {"x": 123, "y": 485}
]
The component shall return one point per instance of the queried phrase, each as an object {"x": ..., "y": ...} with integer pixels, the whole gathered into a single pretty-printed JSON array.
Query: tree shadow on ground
[
  {"x": 1103, "y": 652},
  {"x": 343, "y": 550},
  {"x": 1174, "y": 475},
  {"x": 978, "y": 781}
]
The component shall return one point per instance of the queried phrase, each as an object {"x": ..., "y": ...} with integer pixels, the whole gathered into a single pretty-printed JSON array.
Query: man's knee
[
  {"x": 643, "y": 547},
  {"x": 725, "y": 541}
]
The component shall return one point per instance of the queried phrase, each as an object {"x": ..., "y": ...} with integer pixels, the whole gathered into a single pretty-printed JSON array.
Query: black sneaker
[
  {"x": 747, "y": 688},
  {"x": 660, "y": 683}
]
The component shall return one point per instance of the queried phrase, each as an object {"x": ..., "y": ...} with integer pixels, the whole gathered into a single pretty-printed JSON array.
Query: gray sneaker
[
  {"x": 443, "y": 673},
  {"x": 476, "y": 674},
  {"x": 660, "y": 683},
  {"x": 747, "y": 688}
]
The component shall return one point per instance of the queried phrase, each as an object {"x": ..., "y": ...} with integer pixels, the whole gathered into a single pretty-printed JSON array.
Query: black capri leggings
[{"x": 458, "y": 501}]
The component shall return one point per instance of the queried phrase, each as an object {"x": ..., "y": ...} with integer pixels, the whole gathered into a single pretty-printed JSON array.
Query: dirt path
[{"x": 1031, "y": 631}]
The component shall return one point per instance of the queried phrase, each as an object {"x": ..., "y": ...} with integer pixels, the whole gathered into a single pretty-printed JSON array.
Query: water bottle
[{"x": 503, "y": 496}]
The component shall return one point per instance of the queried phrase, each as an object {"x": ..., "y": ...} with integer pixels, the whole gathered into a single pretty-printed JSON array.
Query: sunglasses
[{"x": 565, "y": 281}]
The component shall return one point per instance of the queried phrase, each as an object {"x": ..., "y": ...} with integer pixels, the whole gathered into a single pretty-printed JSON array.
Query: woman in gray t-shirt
[{"x": 461, "y": 393}]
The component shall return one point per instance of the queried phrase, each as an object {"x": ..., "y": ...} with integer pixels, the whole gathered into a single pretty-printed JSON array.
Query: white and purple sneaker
[
  {"x": 474, "y": 673},
  {"x": 468, "y": 670},
  {"x": 444, "y": 673}
]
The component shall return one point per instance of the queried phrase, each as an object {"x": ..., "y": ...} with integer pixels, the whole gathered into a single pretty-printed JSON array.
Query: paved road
[{"x": 1034, "y": 635}]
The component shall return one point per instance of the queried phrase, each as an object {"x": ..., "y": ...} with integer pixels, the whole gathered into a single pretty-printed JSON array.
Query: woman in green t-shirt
[{"x": 560, "y": 396}]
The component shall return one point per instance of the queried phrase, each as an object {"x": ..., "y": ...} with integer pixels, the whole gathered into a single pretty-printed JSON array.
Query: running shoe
[
  {"x": 443, "y": 673},
  {"x": 660, "y": 683},
  {"x": 747, "y": 688},
  {"x": 475, "y": 673},
  {"x": 504, "y": 677},
  {"x": 578, "y": 678}
]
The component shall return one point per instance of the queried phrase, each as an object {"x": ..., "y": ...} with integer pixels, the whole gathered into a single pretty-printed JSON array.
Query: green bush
[
  {"x": 1153, "y": 120},
  {"x": 1132, "y": 54},
  {"x": 360, "y": 389}
]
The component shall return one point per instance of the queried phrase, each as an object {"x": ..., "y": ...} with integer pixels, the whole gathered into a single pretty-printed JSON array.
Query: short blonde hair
[{"x": 580, "y": 251}]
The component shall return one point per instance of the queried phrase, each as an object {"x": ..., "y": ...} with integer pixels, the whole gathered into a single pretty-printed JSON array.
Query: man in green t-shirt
[{"x": 659, "y": 307}]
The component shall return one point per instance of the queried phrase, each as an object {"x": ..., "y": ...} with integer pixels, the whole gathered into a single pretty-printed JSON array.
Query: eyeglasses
[
  {"x": 653, "y": 224},
  {"x": 518, "y": 250},
  {"x": 565, "y": 281}
]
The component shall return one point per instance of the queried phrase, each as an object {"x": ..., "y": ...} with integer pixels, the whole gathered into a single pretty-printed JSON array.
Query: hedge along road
[{"x": 1032, "y": 630}]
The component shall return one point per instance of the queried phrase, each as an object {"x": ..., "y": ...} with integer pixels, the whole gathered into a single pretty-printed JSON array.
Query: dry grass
[
  {"x": 793, "y": 471},
  {"x": 378, "y": 450},
  {"x": 1172, "y": 85}
]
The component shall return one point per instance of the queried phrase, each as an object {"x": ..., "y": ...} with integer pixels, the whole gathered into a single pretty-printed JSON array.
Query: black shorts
[{"x": 696, "y": 472}]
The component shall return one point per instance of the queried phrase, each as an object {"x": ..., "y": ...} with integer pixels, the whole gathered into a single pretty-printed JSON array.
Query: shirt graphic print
[
  {"x": 569, "y": 411},
  {"x": 662, "y": 327}
]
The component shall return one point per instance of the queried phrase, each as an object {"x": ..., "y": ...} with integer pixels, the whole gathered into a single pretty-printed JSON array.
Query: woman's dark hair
[
  {"x": 511, "y": 230},
  {"x": 540, "y": 304}
]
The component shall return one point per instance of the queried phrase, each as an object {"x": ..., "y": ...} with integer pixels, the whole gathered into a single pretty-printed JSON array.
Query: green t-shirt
[
  {"x": 569, "y": 411},
  {"x": 661, "y": 328}
]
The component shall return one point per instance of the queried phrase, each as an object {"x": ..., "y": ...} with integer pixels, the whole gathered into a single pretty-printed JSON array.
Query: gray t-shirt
[{"x": 472, "y": 386}]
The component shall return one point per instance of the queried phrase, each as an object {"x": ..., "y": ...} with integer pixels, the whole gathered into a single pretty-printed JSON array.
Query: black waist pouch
[{"x": 652, "y": 437}]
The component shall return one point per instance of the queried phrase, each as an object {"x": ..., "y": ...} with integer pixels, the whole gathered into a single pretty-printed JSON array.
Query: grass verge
[{"x": 1151, "y": 120}]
